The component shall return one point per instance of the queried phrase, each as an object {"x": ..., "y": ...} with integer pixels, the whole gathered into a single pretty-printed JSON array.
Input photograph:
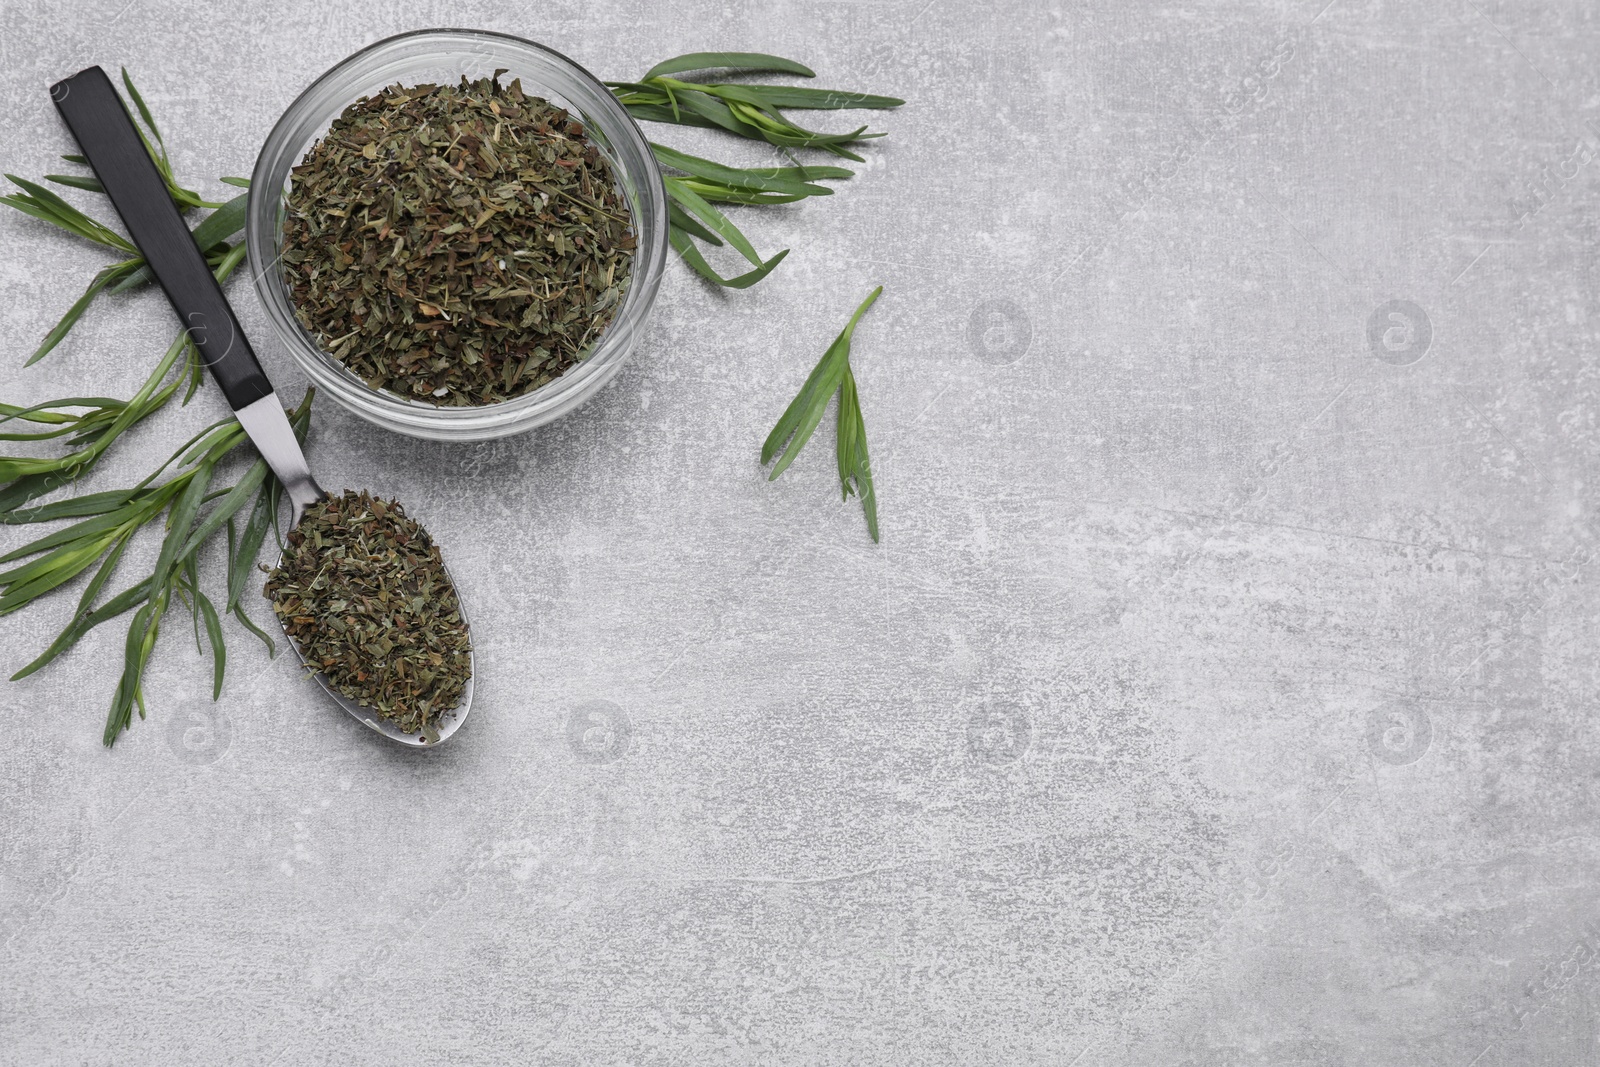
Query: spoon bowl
[{"x": 449, "y": 721}]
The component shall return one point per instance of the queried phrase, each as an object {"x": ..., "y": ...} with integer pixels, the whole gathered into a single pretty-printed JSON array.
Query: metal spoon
[{"x": 110, "y": 141}]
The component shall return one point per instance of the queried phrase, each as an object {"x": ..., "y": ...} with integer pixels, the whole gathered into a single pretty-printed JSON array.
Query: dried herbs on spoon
[
  {"x": 456, "y": 244},
  {"x": 363, "y": 593}
]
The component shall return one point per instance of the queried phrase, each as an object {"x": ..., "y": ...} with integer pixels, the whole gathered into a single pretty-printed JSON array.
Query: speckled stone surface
[{"x": 1222, "y": 692}]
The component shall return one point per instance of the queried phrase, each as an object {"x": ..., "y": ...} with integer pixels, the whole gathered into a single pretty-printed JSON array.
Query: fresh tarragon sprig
[
  {"x": 832, "y": 375},
  {"x": 754, "y": 112}
]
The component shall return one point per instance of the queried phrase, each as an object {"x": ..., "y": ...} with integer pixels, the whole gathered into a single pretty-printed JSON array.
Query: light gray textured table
[{"x": 1221, "y": 693}]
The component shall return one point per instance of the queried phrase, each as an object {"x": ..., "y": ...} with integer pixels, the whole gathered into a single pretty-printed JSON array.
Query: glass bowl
[{"x": 444, "y": 56}]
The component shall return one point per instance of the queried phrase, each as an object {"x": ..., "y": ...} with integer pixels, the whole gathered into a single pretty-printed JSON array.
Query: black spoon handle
[{"x": 105, "y": 130}]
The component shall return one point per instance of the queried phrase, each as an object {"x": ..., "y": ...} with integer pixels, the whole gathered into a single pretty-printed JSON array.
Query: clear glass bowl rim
[{"x": 627, "y": 148}]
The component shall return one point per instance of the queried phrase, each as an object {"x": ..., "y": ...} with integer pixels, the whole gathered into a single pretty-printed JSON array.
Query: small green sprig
[
  {"x": 750, "y": 111},
  {"x": 831, "y": 375},
  {"x": 694, "y": 185}
]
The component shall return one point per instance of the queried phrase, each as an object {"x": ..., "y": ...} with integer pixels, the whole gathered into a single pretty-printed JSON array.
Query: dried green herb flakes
[
  {"x": 456, "y": 244},
  {"x": 363, "y": 593}
]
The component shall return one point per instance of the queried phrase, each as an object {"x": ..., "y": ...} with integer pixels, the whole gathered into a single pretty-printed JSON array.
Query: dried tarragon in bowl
[
  {"x": 458, "y": 245},
  {"x": 362, "y": 592}
]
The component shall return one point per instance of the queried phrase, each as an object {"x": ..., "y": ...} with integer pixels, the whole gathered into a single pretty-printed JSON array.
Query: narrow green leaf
[
  {"x": 682, "y": 220},
  {"x": 73, "y": 181},
  {"x": 715, "y": 220},
  {"x": 814, "y": 394},
  {"x": 779, "y": 130},
  {"x": 63, "y": 423},
  {"x": 102, "y": 279},
  {"x": 746, "y": 61},
  {"x": 39, "y": 413},
  {"x": 771, "y": 126},
  {"x": 807, "y": 416},
  {"x": 71, "y": 632},
  {"x": 249, "y": 624},
  {"x": 135, "y": 278},
  {"x": 213, "y": 440},
  {"x": 255, "y": 532},
  {"x": 733, "y": 94},
  {"x": 222, "y": 223},
  {"x": 722, "y": 194},
  {"x": 802, "y": 98},
  {"x": 672, "y": 102},
  {"x": 87, "y": 528},
  {"x": 44, "y": 412},
  {"x": 845, "y": 432},
  {"x": 196, "y": 375},
  {"x": 144, "y": 112},
  {"x": 713, "y": 112},
  {"x": 219, "y": 652},
  {"x": 107, "y": 568},
  {"x": 54, "y": 570},
  {"x": 854, "y": 463},
  {"x": 27, "y": 206},
  {"x": 691, "y": 255},
  {"x": 120, "y": 715},
  {"x": 813, "y": 172},
  {"x": 662, "y": 113},
  {"x": 182, "y": 517},
  {"x": 52, "y": 208},
  {"x": 76, "y": 507},
  {"x": 230, "y": 503},
  {"x": 117, "y": 605},
  {"x": 188, "y": 580},
  {"x": 233, "y": 548},
  {"x": 21, "y": 490},
  {"x": 770, "y": 179}
]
